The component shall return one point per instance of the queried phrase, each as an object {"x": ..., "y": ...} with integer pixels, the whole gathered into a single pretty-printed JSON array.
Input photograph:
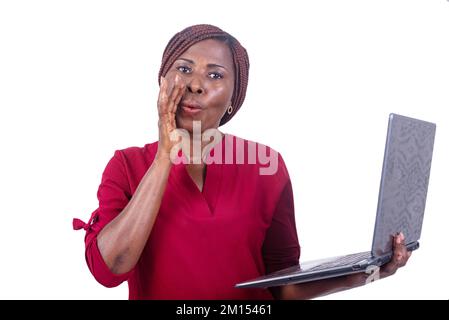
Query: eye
[
  {"x": 184, "y": 69},
  {"x": 215, "y": 75}
]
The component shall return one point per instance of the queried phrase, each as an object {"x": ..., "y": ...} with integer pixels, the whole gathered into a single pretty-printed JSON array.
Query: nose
[{"x": 195, "y": 86}]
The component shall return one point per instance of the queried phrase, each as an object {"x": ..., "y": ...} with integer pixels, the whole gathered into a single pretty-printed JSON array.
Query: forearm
[
  {"x": 121, "y": 241},
  {"x": 314, "y": 289}
]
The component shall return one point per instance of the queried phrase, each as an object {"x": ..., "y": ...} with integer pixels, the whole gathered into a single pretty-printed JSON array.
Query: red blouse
[{"x": 241, "y": 226}]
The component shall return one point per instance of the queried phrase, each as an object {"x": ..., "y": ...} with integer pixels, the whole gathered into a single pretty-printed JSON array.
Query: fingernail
[{"x": 398, "y": 239}]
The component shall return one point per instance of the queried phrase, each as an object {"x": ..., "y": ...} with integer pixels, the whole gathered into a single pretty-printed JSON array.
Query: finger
[
  {"x": 177, "y": 87},
  {"x": 398, "y": 257},
  {"x": 162, "y": 99},
  {"x": 397, "y": 251},
  {"x": 171, "y": 82},
  {"x": 181, "y": 94},
  {"x": 171, "y": 123},
  {"x": 397, "y": 241},
  {"x": 402, "y": 245},
  {"x": 177, "y": 98},
  {"x": 400, "y": 252},
  {"x": 160, "y": 90},
  {"x": 167, "y": 101},
  {"x": 171, "y": 91}
]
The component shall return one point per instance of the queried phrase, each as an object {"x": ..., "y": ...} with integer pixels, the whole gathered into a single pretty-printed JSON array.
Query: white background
[{"x": 78, "y": 80}]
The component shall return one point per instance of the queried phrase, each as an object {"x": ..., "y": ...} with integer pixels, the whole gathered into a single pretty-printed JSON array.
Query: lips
[{"x": 190, "y": 107}]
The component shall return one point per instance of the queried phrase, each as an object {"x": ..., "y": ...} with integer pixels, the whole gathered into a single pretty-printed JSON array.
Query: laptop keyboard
[{"x": 342, "y": 261}]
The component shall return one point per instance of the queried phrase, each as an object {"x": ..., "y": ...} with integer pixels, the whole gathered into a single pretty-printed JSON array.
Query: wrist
[{"x": 163, "y": 158}]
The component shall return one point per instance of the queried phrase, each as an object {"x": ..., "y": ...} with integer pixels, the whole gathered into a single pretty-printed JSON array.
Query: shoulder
[
  {"x": 137, "y": 153},
  {"x": 133, "y": 160}
]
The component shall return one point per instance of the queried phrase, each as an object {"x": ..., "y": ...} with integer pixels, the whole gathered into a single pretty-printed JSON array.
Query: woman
[{"x": 192, "y": 229}]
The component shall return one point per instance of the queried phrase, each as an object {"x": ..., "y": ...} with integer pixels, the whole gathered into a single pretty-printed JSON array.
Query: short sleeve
[
  {"x": 113, "y": 196},
  {"x": 281, "y": 247}
]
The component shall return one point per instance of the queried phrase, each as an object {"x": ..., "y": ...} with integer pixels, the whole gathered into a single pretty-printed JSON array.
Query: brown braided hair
[{"x": 184, "y": 39}]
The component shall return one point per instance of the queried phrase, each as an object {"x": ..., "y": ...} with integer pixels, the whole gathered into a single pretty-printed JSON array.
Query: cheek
[{"x": 220, "y": 95}]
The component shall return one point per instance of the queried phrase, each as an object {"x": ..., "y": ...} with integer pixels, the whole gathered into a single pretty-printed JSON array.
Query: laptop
[{"x": 400, "y": 208}]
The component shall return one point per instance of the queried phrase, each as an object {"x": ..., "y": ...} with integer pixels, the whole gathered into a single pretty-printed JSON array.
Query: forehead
[{"x": 210, "y": 51}]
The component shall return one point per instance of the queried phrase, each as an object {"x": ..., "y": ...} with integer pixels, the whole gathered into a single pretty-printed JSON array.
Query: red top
[{"x": 241, "y": 226}]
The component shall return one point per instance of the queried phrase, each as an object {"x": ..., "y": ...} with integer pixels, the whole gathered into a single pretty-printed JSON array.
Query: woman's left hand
[
  {"x": 399, "y": 258},
  {"x": 313, "y": 289}
]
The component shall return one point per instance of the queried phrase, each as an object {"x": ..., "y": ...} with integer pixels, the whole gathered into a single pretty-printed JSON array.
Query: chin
[
  {"x": 187, "y": 124},
  {"x": 183, "y": 124}
]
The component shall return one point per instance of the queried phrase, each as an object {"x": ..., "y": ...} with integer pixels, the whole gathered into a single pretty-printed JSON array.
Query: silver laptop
[{"x": 402, "y": 199}]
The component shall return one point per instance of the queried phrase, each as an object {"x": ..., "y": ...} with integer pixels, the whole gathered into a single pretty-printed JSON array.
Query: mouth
[{"x": 190, "y": 107}]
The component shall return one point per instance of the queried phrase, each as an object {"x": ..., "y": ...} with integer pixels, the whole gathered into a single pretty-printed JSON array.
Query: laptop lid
[{"x": 404, "y": 181}]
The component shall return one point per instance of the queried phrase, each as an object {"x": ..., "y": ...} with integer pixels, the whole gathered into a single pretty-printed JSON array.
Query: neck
[{"x": 197, "y": 147}]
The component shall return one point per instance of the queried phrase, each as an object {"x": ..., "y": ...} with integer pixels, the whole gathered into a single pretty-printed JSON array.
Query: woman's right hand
[{"x": 171, "y": 91}]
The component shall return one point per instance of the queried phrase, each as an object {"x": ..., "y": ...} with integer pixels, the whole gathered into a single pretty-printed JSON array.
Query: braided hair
[{"x": 184, "y": 39}]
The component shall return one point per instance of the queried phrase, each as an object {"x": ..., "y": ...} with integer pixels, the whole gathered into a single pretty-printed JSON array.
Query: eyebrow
[{"x": 209, "y": 65}]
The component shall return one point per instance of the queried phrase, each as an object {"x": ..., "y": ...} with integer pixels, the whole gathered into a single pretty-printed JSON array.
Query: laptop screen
[{"x": 404, "y": 181}]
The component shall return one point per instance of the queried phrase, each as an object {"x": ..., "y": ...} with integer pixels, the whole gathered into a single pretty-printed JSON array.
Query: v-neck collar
[{"x": 204, "y": 202}]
